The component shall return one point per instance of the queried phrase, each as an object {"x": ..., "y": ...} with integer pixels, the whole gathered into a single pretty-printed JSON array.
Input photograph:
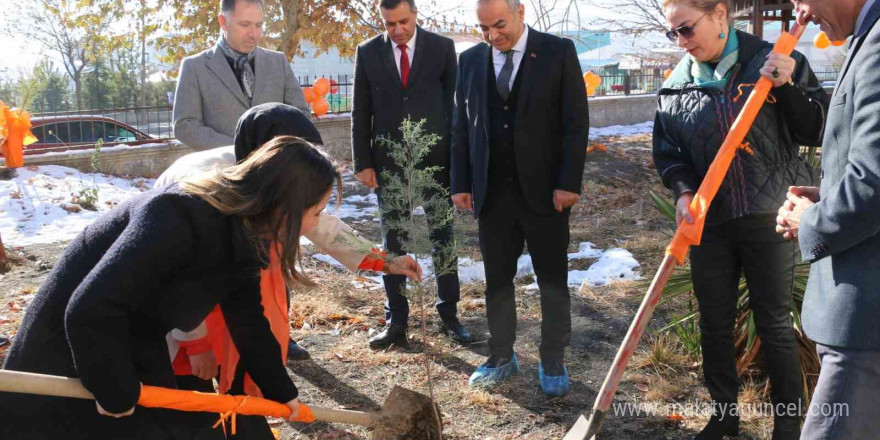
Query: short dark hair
[
  {"x": 393, "y": 4},
  {"x": 229, "y": 5}
]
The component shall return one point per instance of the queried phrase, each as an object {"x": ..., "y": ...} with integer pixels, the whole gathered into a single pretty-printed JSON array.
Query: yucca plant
[{"x": 748, "y": 344}]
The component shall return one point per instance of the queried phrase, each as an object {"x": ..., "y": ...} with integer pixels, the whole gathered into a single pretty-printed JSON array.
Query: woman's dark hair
[{"x": 270, "y": 191}]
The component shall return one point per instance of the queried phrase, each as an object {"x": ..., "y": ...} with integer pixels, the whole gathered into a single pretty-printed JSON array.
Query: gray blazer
[
  {"x": 840, "y": 235},
  {"x": 209, "y": 99}
]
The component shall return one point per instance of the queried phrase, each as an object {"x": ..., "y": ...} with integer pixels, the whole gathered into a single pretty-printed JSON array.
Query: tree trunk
[
  {"x": 289, "y": 40},
  {"x": 77, "y": 86},
  {"x": 143, "y": 94}
]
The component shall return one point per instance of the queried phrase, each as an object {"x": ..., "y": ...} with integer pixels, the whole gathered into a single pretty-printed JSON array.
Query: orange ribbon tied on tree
[
  {"x": 15, "y": 127},
  {"x": 374, "y": 261}
]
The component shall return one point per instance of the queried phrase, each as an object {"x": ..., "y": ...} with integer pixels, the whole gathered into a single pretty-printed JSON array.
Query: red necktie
[{"x": 404, "y": 64}]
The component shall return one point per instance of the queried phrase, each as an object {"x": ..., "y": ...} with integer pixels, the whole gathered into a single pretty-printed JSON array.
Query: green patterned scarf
[{"x": 691, "y": 71}]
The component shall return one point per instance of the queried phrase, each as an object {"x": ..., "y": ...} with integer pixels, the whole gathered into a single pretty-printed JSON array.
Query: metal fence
[
  {"x": 79, "y": 129},
  {"x": 827, "y": 75},
  {"x": 630, "y": 82},
  {"x": 154, "y": 121}
]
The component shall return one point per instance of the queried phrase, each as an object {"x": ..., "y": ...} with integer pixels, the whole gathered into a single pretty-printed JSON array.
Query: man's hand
[
  {"x": 463, "y": 201},
  {"x": 405, "y": 265},
  {"x": 367, "y": 176},
  {"x": 788, "y": 220},
  {"x": 681, "y": 208},
  {"x": 810, "y": 192},
  {"x": 204, "y": 365},
  {"x": 564, "y": 199},
  {"x": 294, "y": 410}
]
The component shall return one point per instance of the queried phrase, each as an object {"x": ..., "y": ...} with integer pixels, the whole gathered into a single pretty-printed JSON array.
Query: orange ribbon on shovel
[{"x": 687, "y": 234}]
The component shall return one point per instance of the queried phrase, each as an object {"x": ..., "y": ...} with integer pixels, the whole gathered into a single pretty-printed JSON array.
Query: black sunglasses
[{"x": 684, "y": 31}]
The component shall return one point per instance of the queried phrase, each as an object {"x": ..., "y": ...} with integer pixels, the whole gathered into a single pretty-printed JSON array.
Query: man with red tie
[{"x": 405, "y": 72}]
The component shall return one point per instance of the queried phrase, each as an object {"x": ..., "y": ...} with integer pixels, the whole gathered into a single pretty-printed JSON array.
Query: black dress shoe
[
  {"x": 457, "y": 332},
  {"x": 717, "y": 428},
  {"x": 295, "y": 352},
  {"x": 393, "y": 334}
]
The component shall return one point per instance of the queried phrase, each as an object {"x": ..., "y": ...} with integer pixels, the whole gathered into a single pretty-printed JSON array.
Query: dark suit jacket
[
  {"x": 160, "y": 261},
  {"x": 552, "y": 122},
  {"x": 840, "y": 235},
  {"x": 381, "y": 103}
]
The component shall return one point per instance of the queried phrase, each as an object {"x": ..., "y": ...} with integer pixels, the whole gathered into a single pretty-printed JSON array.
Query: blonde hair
[
  {"x": 269, "y": 192},
  {"x": 706, "y": 6}
]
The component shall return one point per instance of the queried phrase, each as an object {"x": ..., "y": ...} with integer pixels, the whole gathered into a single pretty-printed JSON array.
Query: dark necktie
[
  {"x": 404, "y": 64},
  {"x": 503, "y": 81}
]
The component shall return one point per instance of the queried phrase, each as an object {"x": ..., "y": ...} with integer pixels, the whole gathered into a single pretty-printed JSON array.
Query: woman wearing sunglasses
[{"x": 697, "y": 105}]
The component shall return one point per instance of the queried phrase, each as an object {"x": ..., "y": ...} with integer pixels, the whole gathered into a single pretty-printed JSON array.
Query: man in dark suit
[
  {"x": 838, "y": 230},
  {"x": 406, "y": 72},
  {"x": 518, "y": 145}
]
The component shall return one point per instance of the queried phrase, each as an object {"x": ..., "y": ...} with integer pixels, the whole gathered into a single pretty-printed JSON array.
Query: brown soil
[{"x": 335, "y": 319}]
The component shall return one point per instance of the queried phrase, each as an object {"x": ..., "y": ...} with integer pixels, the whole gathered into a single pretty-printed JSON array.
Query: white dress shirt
[
  {"x": 410, "y": 50},
  {"x": 519, "y": 49}
]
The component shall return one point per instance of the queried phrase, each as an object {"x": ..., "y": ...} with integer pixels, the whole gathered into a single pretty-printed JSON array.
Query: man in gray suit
[
  {"x": 218, "y": 85},
  {"x": 838, "y": 229}
]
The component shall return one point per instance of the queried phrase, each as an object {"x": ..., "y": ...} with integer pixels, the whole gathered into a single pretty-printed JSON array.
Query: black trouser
[
  {"x": 396, "y": 304},
  {"x": 506, "y": 223},
  {"x": 751, "y": 245}
]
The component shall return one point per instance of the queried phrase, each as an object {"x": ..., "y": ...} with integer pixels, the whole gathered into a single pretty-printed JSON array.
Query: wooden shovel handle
[{"x": 59, "y": 386}]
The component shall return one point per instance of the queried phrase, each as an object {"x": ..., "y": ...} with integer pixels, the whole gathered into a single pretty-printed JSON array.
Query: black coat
[
  {"x": 381, "y": 103},
  {"x": 552, "y": 122},
  {"x": 692, "y": 122},
  {"x": 160, "y": 261}
]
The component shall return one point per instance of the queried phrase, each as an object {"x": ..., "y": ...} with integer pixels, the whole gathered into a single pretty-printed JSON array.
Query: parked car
[{"x": 76, "y": 132}]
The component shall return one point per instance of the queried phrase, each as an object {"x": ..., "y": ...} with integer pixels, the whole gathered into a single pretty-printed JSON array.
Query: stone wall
[{"x": 622, "y": 110}]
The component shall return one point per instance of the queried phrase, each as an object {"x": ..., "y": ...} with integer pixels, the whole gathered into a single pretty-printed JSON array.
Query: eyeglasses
[{"x": 684, "y": 31}]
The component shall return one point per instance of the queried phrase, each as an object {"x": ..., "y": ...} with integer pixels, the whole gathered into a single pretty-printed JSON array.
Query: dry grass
[{"x": 335, "y": 319}]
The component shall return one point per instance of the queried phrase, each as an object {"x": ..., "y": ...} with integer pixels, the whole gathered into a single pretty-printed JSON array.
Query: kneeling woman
[{"x": 141, "y": 270}]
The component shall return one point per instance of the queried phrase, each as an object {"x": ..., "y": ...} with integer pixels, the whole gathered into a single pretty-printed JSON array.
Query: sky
[{"x": 17, "y": 53}]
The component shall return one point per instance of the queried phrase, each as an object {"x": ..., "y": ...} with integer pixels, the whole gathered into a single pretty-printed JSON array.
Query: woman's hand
[
  {"x": 681, "y": 208},
  {"x": 294, "y": 410},
  {"x": 104, "y": 412},
  {"x": 204, "y": 365},
  {"x": 405, "y": 265},
  {"x": 782, "y": 65}
]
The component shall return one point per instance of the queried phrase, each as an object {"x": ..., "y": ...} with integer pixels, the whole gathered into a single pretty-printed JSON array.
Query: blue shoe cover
[
  {"x": 553, "y": 385},
  {"x": 488, "y": 376}
]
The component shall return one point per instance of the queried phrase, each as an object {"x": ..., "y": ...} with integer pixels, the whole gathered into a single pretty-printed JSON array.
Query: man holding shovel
[{"x": 838, "y": 229}]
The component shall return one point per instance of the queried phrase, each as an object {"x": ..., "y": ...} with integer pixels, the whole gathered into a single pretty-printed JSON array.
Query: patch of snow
[
  {"x": 32, "y": 203},
  {"x": 585, "y": 251},
  {"x": 622, "y": 130}
]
